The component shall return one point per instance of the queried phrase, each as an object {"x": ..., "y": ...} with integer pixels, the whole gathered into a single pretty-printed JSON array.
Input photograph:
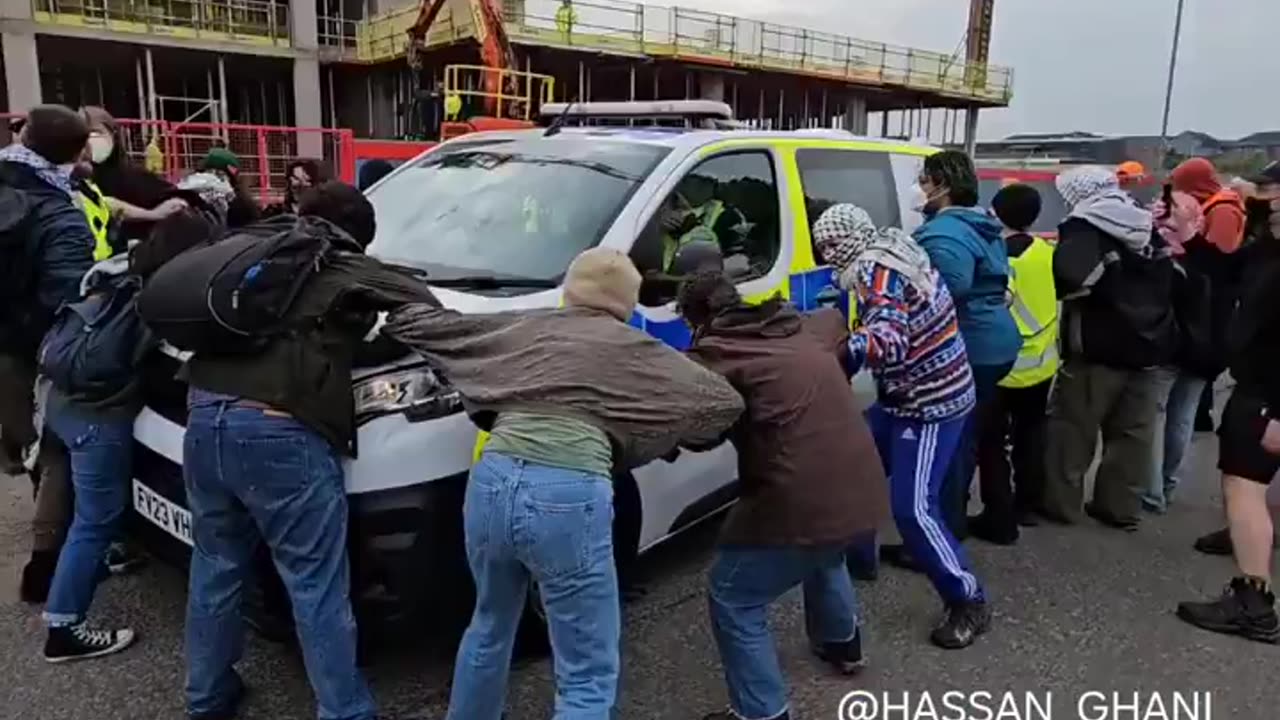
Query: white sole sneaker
[{"x": 124, "y": 638}]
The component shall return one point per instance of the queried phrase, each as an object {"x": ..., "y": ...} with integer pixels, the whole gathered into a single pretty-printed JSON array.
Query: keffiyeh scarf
[{"x": 846, "y": 235}]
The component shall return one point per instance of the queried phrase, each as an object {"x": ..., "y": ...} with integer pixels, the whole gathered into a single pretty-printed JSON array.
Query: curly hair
[{"x": 705, "y": 295}]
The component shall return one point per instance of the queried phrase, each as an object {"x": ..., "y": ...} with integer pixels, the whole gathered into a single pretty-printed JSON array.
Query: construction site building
[{"x": 342, "y": 64}]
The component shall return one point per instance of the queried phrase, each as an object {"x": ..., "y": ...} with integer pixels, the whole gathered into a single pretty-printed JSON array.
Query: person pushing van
[
  {"x": 809, "y": 482},
  {"x": 910, "y": 338}
]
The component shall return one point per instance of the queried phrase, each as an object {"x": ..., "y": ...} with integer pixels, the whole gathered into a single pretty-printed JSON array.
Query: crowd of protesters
[{"x": 994, "y": 352}]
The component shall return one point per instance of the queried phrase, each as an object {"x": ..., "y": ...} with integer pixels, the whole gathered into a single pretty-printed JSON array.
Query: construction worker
[
  {"x": 1012, "y": 483},
  {"x": 566, "y": 18},
  {"x": 694, "y": 214}
]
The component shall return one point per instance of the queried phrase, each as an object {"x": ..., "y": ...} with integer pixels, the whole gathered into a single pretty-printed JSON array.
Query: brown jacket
[{"x": 807, "y": 464}]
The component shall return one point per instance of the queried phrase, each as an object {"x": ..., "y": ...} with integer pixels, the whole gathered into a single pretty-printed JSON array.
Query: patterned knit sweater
[{"x": 912, "y": 344}]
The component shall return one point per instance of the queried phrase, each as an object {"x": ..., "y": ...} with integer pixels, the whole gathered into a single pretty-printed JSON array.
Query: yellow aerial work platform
[{"x": 694, "y": 36}]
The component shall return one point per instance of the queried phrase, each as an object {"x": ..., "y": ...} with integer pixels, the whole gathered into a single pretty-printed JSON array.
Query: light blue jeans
[
  {"x": 530, "y": 522},
  {"x": 1179, "y": 427},
  {"x": 744, "y": 583},
  {"x": 250, "y": 473},
  {"x": 101, "y": 454}
]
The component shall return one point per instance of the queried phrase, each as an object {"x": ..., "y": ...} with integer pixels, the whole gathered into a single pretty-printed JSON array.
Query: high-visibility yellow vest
[
  {"x": 566, "y": 18},
  {"x": 708, "y": 215},
  {"x": 96, "y": 211},
  {"x": 1035, "y": 310}
]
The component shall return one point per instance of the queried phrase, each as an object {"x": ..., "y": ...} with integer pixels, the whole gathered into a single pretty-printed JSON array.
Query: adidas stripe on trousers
[{"x": 916, "y": 455}]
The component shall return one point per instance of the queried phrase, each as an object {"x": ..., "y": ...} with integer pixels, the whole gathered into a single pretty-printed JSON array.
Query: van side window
[
  {"x": 830, "y": 177},
  {"x": 729, "y": 199}
]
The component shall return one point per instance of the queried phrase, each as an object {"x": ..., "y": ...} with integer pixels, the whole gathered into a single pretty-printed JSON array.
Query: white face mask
[
  {"x": 918, "y": 198},
  {"x": 100, "y": 147}
]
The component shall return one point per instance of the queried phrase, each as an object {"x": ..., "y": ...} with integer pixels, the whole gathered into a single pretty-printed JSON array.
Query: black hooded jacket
[
  {"x": 308, "y": 373},
  {"x": 1254, "y": 336}
]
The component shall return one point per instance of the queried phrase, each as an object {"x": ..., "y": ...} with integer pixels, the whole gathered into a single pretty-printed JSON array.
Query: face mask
[
  {"x": 920, "y": 201},
  {"x": 100, "y": 147}
]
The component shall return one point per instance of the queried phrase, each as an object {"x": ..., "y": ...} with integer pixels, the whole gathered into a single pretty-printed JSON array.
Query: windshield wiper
[{"x": 494, "y": 282}]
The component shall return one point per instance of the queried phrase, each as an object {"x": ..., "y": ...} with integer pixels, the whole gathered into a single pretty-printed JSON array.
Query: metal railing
[
  {"x": 708, "y": 37},
  {"x": 253, "y": 21}
]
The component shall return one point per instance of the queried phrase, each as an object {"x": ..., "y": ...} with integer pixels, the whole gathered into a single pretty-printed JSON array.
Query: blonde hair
[{"x": 603, "y": 279}]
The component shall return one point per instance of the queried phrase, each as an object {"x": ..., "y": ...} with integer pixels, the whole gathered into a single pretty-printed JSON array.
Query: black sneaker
[
  {"x": 37, "y": 576},
  {"x": 122, "y": 559},
  {"x": 1243, "y": 610},
  {"x": 78, "y": 642},
  {"x": 845, "y": 657},
  {"x": 962, "y": 625},
  {"x": 231, "y": 709},
  {"x": 1109, "y": 520},
  {"x": 985, "y": 528}
]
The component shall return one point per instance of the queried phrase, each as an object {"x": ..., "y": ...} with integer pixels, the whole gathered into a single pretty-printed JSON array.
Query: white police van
[{"x": 494, "y": 219}]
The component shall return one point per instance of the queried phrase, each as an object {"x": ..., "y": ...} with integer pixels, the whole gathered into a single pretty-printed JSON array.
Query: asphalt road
[{"x": 1077, "y": 610}]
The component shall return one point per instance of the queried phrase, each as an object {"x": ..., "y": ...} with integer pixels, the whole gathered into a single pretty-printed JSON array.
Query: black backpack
[
  {"x": 234, "y": 296},
  {"x": 91, "y": 350}
]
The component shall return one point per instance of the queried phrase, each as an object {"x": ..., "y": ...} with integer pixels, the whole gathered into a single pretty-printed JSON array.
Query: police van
[{"x": 493, "y": 220}]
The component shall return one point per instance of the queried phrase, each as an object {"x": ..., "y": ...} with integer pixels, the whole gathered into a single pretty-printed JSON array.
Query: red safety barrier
[{"x": 264, "y": 150}]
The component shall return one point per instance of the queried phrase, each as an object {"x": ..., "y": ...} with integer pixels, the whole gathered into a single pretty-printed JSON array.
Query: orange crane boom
[{"x": 496, "y": 52}]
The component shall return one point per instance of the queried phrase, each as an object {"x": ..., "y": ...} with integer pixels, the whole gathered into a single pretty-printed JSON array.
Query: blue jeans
[
  {"x": 1179, "y": 427},
  {"x": 525, "y": 521},
  {"x": 917, "y": 456},
  {"x": 744, "y": 582},
  {"x": 101, "y": 453},
  {"x": 250, "y": 473}
]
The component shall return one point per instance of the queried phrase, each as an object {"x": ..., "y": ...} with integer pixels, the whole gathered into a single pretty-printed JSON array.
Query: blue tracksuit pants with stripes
[{"x": 916, "y": 455}]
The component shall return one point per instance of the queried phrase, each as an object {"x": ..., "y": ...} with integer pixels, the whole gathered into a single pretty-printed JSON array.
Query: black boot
[
  {"x": 845, "y": 657},
  {"x": 37, "y": 576},
  {"x": 987, "y": 528},
  {"x": 1246, "y": 608},
  {"x": 1218, "y": 542},
  {"x": 899, "y": 556},
  {"x": 962, "y": 625}
]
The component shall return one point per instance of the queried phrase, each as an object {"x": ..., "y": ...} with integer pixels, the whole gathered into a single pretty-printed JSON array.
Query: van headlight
[{"x": 418, "y": 392}]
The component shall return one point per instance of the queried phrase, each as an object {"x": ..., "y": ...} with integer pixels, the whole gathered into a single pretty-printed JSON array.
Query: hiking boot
[
  {"x": 899, "y": 556},
  {"x": 122, "y": 559},
  {"x": 1244, "y": 609},
  {"x": 962, "y": 625},
  {"x": 231, "y": 709},
  {"x": 1109, "y": 520},
  {"x": 730, "y": 715},
  {"x": 37, "y": 576},
  {"x": 79, "y": 642},
  {"x": 987, "y": 529},
  {"x": 845, "y": 657}
]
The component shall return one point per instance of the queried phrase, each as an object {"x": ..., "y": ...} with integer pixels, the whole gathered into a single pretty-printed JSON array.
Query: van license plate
[{"x": 162, "y": 512}]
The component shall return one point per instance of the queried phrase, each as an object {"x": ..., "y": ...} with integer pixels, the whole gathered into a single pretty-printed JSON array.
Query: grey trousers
[
  {"x": 1123, "y": 406},
  {"x": 52, "y": 478}
]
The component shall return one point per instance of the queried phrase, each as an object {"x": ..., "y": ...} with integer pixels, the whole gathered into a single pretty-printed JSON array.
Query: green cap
[{"x": 221, "y": 159}]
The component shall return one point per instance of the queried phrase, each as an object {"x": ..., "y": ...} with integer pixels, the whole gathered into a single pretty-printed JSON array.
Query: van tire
[{"x": 532, "y": 637}]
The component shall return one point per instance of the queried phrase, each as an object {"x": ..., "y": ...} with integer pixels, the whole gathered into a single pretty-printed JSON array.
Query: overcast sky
[{"x": 1096, "y": 65}]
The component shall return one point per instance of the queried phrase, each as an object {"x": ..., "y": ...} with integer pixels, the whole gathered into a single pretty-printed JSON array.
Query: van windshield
[{"x": 507, "y": 213}]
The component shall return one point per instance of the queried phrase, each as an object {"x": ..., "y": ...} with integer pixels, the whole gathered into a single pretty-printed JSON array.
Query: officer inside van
[{"x": 693, "y": 212}]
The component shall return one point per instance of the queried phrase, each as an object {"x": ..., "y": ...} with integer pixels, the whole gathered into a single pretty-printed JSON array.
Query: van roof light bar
[{"x": 700, "y": 113}]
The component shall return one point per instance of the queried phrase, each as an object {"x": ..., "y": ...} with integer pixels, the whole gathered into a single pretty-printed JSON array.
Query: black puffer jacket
[
  {"x": 1254, "y": 336},
  {"x": 58, "y": 252},
  {"x": 1118, "y": 308}
]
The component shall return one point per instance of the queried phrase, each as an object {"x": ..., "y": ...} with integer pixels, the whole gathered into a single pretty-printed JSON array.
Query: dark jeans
[
  {"x": 101, "y": 461},
  {"x": 1011, "y": 454},
  {"x": 745, "y": 581},
  {"x": 249, "y": 471},
  {"x": 955, "y": 488}
]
